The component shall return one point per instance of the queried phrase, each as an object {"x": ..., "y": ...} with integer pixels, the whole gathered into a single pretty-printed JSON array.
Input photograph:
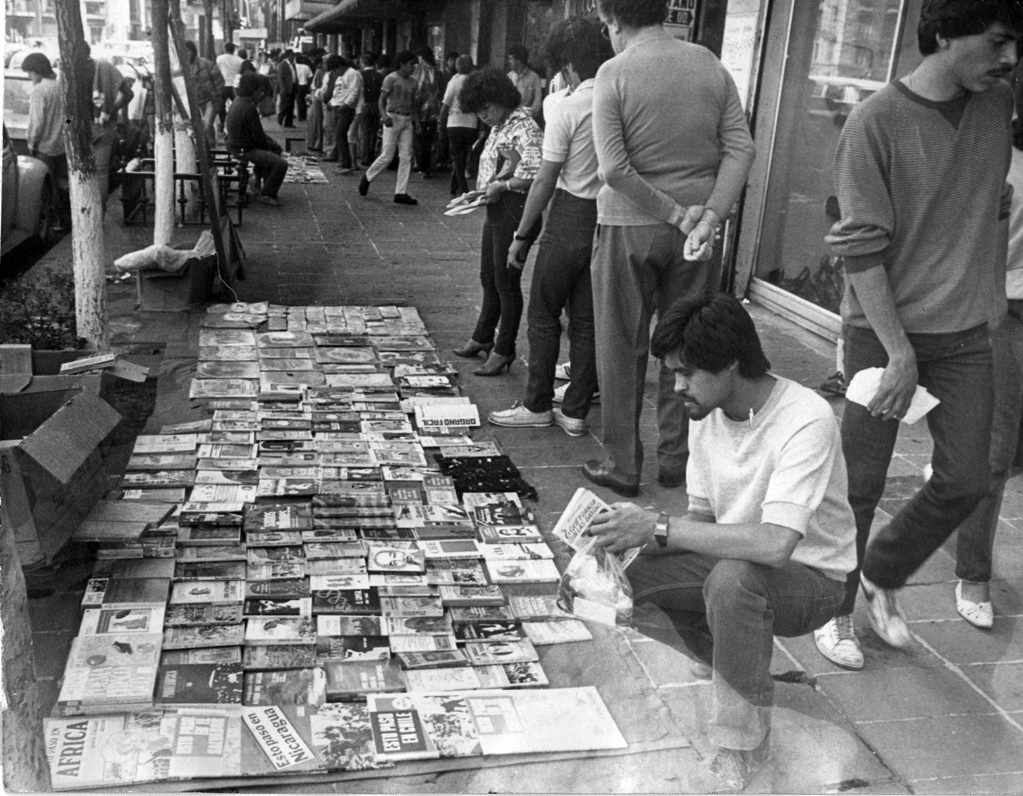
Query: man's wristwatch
[
  {"x": 520, "y": 238},
  {"x": 661, "y": 528}
]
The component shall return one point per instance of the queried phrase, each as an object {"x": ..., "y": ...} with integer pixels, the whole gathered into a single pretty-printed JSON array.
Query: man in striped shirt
[{"x": 920, "y": 171}]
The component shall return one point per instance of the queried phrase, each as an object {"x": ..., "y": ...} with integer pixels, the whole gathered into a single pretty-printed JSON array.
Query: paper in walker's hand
[{"x": 864, "y": 387}]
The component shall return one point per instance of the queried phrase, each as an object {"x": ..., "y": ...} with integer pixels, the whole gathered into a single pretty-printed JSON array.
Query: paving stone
[
  {"x": 1002, "y": 682},
  {"x": 946, "y": 746},
  {"x": 961, "y": 643},
  {"x": 907, "y": 693},
  {"x": 980, "y": 784},
  {"x": 49, "y": 650}
]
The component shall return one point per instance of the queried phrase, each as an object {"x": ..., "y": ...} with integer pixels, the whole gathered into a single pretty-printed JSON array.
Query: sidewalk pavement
[{"x": 946, "y": 717}]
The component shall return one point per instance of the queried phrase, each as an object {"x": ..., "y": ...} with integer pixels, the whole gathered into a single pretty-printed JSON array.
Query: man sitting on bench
[{"x": 246, "y": 138}]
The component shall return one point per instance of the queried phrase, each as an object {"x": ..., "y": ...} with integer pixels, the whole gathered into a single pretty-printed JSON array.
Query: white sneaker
[
  {"x": 837, "y": 642},
  {"x": 520, "y": 417},
  {"x": 885, "y": 615},
  {"x": 563, "y": 371},
  {"x": 571, "y": 425},
  {"x": 559, "y": 395}
]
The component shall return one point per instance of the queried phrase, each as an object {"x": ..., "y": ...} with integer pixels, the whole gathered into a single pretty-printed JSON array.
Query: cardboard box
[
  {"x": 160, "y": 291},
  {"x": 51, "y": 469}
]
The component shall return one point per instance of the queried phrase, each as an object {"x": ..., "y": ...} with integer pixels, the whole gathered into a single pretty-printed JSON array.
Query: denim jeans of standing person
[
  {"x": 956, "y": 368},
  {"x": 728, "y": 612},
  {"x": 637, "y": 270},
  {"x": 369, "y": 132},
  {"x": 561, "y": 279},
  {"x": 397, "y": 138},
  {"x": 976, "y": 539},
  {"x": 270, "y": 168},
  {"x": 426, "y": 139},
  {"x": 460, "y": 141},
  {"x": 314, "y": 126},
  {"x": 502, "y": 288},
  {"x": 344, "y": 115}
]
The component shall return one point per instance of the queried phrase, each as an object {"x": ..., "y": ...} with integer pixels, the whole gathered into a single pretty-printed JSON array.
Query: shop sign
[{"x": 681, "y": 19}]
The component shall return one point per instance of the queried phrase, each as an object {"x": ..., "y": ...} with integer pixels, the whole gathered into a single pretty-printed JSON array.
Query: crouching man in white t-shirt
[{"x": 768, "y": 540}]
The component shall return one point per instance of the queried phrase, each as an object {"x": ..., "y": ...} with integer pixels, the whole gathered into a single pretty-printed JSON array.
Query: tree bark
[
  {"x": 163, "y": 146},
  {"x": 209, "y": 51},
  {"x": 227, "y": 12},
  {"x": 205, "y": 160},
  {"x": 25, "y": 766},
  {"x": 84, "y": 181}
]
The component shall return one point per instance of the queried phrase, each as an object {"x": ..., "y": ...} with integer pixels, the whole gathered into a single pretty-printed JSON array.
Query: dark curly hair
[
  {"x": 635, "y": 13},
  {"x": 709, "y": 333},
  {"x": 249, "y": 83},
  {"x": 486, "y": 86},
  {"x": 953, "y": 19},
  {"x": 40, "y": 64},
  {"x": 577, "y": 41}
]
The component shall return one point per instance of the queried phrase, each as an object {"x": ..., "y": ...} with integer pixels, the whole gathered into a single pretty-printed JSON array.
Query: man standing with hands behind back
[{"x": 674, "y": 150}]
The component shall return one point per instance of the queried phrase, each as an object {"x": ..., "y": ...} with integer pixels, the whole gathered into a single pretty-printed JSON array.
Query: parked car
[{"x": 27, "y": 212}]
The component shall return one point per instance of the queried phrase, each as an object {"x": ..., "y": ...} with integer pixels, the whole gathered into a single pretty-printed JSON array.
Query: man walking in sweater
[
  {"x": 674, "y": 149},
  {"x": 920, "y": 171}
]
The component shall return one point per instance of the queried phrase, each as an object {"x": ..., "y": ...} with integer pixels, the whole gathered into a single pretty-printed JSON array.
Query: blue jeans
[
  {"x": 343, "y": 118},
  {"x": 956, "y": 368},
  {"x": 502, "y": 286},
  {"x": 976, "y": 538},
  {"x": 561, "y": 278},
  {"x": 270, "y": 168},
  {"x": 728, "y": 612}
]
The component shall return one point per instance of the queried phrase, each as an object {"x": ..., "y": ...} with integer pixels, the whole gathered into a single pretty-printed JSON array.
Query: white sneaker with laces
[
  {"x": 563, "y": 371},
  {"x": 520, "y": 417},
  {"x": 571, "y": 425},
  {"x": 559, "y": 395},
  {"x": 837, "y": 642},
  {"x": 885, "y": 615}
]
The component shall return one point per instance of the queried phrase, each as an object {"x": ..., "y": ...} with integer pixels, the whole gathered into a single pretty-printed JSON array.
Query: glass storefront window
[{"x": 836, "y": 60}]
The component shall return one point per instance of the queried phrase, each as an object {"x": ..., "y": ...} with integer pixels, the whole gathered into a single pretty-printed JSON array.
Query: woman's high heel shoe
[
  {"x": 494, "y": 365},
  {"x": 980, "y": 615},
  {"x": 472, "y": 349}
]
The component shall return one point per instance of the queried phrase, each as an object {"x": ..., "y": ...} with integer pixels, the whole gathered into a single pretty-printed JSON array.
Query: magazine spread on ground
[{"x": 329, "y": 573}]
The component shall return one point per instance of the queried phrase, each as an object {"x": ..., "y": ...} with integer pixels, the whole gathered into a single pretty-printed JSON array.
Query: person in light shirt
[{"x": 569, "y": 182}]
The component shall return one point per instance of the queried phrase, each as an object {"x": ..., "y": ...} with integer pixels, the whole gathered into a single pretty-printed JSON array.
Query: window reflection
[{"x": 846, "y": 57}]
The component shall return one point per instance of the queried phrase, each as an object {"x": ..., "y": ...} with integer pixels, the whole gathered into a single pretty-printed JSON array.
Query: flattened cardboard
[
  {"x": 63, "y": 443},
  {"x": 15, "y": 367}
]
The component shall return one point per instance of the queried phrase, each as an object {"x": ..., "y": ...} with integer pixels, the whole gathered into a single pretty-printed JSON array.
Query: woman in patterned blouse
[{"x": 510, "y": 161}]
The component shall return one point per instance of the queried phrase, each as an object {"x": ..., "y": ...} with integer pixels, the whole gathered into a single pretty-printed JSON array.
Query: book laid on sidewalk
[
  {"x": 288, "y": 687},
  {"x": 353, "y": 680},
  {"x": 136, "y": 748},
  {"x": 203, "y": 685},
  {"x": 109, "y": 673}
]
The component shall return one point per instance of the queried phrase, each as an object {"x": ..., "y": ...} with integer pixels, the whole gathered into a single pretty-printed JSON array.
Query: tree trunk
[
  {"x": 84, "y": 181},
  {"x": 227, "y": 12},
  {"x": 163, "y": 146},
  {"x": 210, "y": 50},
  {"x": 25, "y": 766}
]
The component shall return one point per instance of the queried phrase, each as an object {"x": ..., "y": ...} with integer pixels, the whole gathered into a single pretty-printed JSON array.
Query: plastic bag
[
  {"x": 594, "y": 586},
  {"x": 165, "y": 257}
]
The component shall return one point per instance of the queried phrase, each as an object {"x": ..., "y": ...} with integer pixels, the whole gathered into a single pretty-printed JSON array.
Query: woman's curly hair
[{"x": 488, "y": 85}]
